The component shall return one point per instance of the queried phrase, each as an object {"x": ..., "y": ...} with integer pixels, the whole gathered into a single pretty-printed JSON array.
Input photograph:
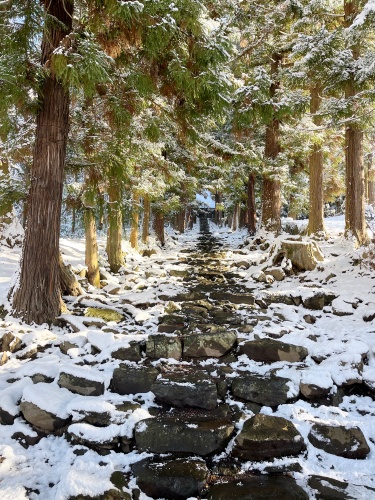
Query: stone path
[{"x": 206, "y": 435}]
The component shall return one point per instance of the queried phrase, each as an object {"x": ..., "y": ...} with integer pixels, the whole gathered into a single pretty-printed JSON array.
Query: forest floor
[{"x": 205, "y": 341}]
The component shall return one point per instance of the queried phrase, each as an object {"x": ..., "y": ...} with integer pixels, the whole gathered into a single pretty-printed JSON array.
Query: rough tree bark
[
  {"x": 271, "y": 194},
  {"x": 114, "y": 235},
  {"x": 38, "y": 297},
  {"x": 250, "y": 205},
  {"x": 91, "y": 243},
  {"x": 159, "y": 227},
  {"x": 146, "y": 219},
  {"x": 135, "y": 220},
  {"x": 355, "y": 223},
  {"x": 316, "y": 194}
]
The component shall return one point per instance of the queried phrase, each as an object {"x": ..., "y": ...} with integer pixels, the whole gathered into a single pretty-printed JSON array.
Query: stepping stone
[
  {"x": 9, "y": 399},
  {"x": 264, "y": 437},
  {"x": 171, "y": 479},
  {"x": 104, "y": 313},
  {"x": 132, "y": 379},
  {"x": 235, "y": 298},
  {"x": 10, "y": 343},
  {"x": 266, "y": 391},
  {"x": 102, "y": 439},
  {"x": 270, "y": 350},
  {"x": 213, "y": 345},
  {"x": 287, "y": 298},
  {"x": 82, "y": 381},
  {"x": 315, "y": 383},
  {"x": 171, "y": 323},
  {"x": 44, "y": 406},
  {"x": 258, "y": 488},
  {"x": 326, "y": 487},
  {"x": 341, "y": 441},
  {"x": 173, "y": 435},
  {"x": 131, "y": 353},
  {"x": 164, "y": 346},
  {"x": 186, "y": 389}
]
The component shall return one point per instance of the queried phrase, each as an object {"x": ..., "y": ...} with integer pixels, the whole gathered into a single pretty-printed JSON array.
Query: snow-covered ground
[{"x": 53, "y": 470}]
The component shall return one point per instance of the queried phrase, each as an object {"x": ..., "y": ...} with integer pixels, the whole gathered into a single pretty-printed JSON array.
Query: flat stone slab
[
  {"x": 213, "y": 345},
  {"x": 44, "y": 406},
  {"x": 82, "y": 382},
  {"x": 235, "y": 298},
  {"x": 131, "y": 379},
  {"x": 341, "y": 441},
  {"x": 171, "y": 479},
  {"x": 270, "y": 350},
  {"x": 170, "y": 435},
  {"x": 258, "y": 488},
  {"x": 131, "y": 353},
  {"x": 104, "y": 313},
  {"x": 266, "y": 391},
  {"x": 186, "y": 389},
  {"x": 164, "y": 346},
  {"x": 264, "y": 437}
]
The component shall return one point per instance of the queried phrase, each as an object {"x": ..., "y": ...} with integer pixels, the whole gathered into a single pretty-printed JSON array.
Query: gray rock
[
  {"x": 65, "y": 346},
  {"x": 6, "y": 418},
  {"x": 10, "y": 343},
  {"x": 264, "y": 437},
  {"x": 212, "y": 345},
  {"x": 173, "y": 435},
  {"x": 266, "y": 391},
  {"x": 341, "y": 441},
  {"x": 313, "y": 391},
  {"x": 171, "y": 479},
  {"x": 315, "y": 302},
  {"x": 280, "y": 297},
  {"x": 171, "y": 323},
  {"x": 235, "y": 298},
  {"x": 269, "y": 351},
  {"x": 80, "y": 385},
  {"x": 258, "y": 488},
  {"x": 163, "y": 346},
  {"x": 276, "y": 272},
  {"x": 41, "y": 419},
  {"x": 328, "y": 488},
  {"x": 128, "y": 379},
  {"x": 186, "y": 389},
  {"x": 131, "y": 353}
]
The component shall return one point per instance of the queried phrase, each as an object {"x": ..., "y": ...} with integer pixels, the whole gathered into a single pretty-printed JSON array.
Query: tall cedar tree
[{"x": 37, "y": 297}]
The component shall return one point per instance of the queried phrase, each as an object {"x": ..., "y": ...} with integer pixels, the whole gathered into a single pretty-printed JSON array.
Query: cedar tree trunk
[
  {"x": 316, "y": 194},
  {"x": 135, "y": 220},
  {"x": 250, "y": 206},
  {"x": 159, "y": 227},
  {"x": 38, "y": 296},
  {"x": 146, "y": 219},
  {"x": 114, "y": 235},
  {"x": 355, "y": 223},
  {"x": 271, "y": 194}
]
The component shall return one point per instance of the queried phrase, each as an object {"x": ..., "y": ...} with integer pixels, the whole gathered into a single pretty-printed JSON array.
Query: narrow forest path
[{"x": 184, "y": 378}]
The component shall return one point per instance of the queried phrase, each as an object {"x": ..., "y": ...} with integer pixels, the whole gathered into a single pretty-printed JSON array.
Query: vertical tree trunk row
[{"x": 114, "y": 235}]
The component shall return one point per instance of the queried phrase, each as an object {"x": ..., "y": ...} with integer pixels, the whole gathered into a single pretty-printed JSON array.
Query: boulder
[
  {"x": 42, "y": 419},
  {"x": 132, "y": 379},
  {"x": 279, "y": 297},
  {"x": 87, "y": 384},
  {"x": 164, "y": 346},
  {"x": 234, "y": 298},
  {"x": 175, "y": 435},
  {"x": 264, "y": 390},
  {"x": 10, "y": 343},
  {"x": 171, "y": 479},
  {"x": 339, "y": 440},
  {"x": 258, "y": 488},
  {"x": 131, "y": 353},
  {"x": 270, "y": 350},
  {"x": 212, "y": 345},
  {"x": 304, "y": 255},
  {"x": 171, "y": 323},
  {"x": 276, "y": 272},
  {"x": 105, "y": 314},
  {"x": 264, "y": 437},
  {"x": 186, "y": 389}
]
